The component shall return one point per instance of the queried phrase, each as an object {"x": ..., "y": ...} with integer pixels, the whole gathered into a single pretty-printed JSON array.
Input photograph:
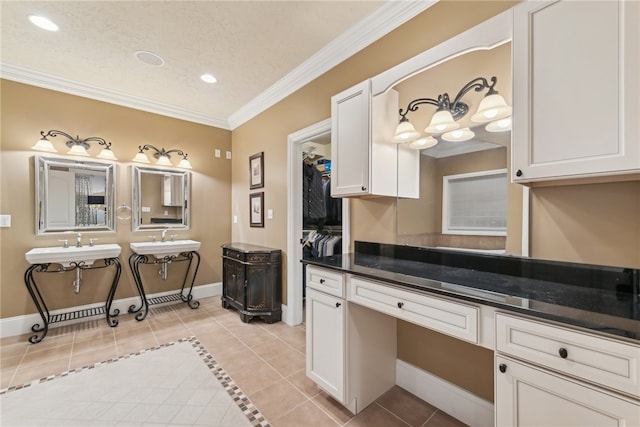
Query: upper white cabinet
[
  {"x": 576, "y": 89},
  {"x": 365, "y": 161}
]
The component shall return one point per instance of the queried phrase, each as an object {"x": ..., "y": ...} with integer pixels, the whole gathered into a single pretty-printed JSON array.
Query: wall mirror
[
  {"x": 74, "y": 195},
  {"x": 480, "y": 209},
  {"x": 160, "y": 199}
]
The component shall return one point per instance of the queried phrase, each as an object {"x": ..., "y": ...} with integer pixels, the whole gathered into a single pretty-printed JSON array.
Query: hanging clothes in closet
[
  {"x": 318, "y": 244},
  {"x": 313, "y": 196}
]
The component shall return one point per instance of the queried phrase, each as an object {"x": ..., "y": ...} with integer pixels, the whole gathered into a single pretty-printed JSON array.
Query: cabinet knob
[
  {"x": 400, "y": 304},
  {"x": 518, "y": 173},
  {"x": 321, "y": 281},
  {"x": 563, "y": 352},
  {"x": 338, "y": 304},
  {"x": 364, "y": 188},
  {"x": 502, "y": 367}
]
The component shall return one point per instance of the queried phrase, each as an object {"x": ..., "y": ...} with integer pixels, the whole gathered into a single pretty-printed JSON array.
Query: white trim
[
  {"x": 383, "y": 20},
  {"x": 48, "y": 81},
  {"x": 293, "y": 315},
  {"x": 18, "y": 325},
  {"x": 448, "y": 397},
  {"x": 526, "y": 200}
]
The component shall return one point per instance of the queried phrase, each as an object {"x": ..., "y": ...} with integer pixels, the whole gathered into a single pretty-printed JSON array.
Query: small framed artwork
[
  {"x": 256, "y": 170},
  {"x": 256, "y": 204}
]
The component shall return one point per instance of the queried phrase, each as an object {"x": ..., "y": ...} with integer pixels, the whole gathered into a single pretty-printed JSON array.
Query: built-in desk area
[{"x": 563, "y": 334}]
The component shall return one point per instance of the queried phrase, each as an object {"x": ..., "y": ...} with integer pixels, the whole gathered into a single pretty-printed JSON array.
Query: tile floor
[{"x": 266, "y": 361}]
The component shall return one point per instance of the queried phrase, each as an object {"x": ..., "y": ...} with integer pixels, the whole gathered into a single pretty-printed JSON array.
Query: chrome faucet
[
  {"x": 164, "y": 235},
  {"x": 79, "y": 240}
]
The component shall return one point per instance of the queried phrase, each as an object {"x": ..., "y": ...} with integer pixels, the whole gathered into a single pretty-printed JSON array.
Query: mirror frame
[
  {"x": 42, "y": 166},
  {"x": 136, "y": 179}
]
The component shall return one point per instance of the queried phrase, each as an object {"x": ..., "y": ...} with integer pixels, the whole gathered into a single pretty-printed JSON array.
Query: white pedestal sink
[
  {"x": 162, "y": 249},
  {"x": 66, "y": 256}
]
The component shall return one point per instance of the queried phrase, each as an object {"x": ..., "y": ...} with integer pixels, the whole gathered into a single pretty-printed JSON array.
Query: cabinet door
[
  {"x": 259, "y": 292},
  {"x": 350, "y": 135},
  {"x": 325, "y": 323},
  {"x": 576, "y": 89},
  {"x": 234, "y": 281},
  {"x": 528, "y": 396}
]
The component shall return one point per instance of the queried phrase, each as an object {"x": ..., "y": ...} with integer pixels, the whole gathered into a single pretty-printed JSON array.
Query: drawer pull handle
[
  {"x": 338, "y": 304},
  {"x": 502, "y": 367},
  {"x": 563, "y": 353},
  {"x": 321, "y": 281},
  {"x": 400, "y": 304}
]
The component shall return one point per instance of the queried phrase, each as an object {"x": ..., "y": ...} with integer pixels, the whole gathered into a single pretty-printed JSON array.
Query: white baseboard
[
  {"x": 448, "y": 397},
  {"x": 18, "y": 325}
]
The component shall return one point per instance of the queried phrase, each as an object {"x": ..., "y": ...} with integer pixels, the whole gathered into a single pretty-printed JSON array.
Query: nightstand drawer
[
  {"x": 442, "y": 315},
  {"x": 604, "y": 361},
  {"x": 326, "y": 281}
]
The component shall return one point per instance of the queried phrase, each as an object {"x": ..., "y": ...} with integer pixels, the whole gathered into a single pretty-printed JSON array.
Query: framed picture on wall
[
  {"x": 256, "y": 205},
  {"x": 256, "y": 171}
]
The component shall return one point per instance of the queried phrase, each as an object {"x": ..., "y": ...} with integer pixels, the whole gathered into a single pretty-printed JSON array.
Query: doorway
[{"x": 298, "y": 143}]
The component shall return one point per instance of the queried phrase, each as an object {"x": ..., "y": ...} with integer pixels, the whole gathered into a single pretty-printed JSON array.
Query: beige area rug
[{"x": 175, "y": 384}]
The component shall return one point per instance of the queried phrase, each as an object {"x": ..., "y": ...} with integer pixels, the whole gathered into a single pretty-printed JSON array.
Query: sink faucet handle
[
  {"x": 153, "y": 238},
  {"x": 79, "y": 240},
  {"x": 65, "y": 243},
  {"x": 91, "y": 240}
]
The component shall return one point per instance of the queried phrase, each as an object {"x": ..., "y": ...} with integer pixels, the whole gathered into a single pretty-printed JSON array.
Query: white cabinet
[
  {"x": 351, "y": 351},
  {"x": 364, "y": 160},
  {"x": 576, "y": 89},
  {"x": 325, "y": 323},
  {"x": 529, "y": 396},
  {"x": 555, "y": 376}
]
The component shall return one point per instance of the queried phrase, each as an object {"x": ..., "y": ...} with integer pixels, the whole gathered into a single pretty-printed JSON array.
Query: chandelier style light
[
  {"x": 493, "y": 109},
  {"x": 77, "y": 146},
  {"x": 162, "y": 156}
]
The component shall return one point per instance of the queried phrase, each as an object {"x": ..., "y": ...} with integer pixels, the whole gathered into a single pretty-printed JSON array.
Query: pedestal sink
[
  {"x": 162, "y": 249},
  {"x": 66, "y": 256}
]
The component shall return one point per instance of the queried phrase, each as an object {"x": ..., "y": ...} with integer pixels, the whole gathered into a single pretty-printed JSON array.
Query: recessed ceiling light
[
  {"x": 208, "y": 78},
  {"x": 42, "y": 22},
  {"x": 149, "y": 58}
]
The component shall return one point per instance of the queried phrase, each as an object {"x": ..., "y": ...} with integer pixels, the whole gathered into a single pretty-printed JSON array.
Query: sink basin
[
  {"x": 72, "y": 254},
  {"x": 163, "y": 249}
]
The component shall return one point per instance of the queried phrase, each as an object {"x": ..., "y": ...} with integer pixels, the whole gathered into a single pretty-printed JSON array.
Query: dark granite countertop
[{"x": 599, "y": 298}]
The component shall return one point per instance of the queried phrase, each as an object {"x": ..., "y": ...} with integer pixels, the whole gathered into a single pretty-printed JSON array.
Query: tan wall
[{"x": 26, "y": 110}]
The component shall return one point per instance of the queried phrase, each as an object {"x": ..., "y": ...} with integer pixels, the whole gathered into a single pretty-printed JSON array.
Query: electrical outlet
[
  {"x": 5, "y": 220},
  {"x": 235, "y": 219},
  {"x": 269, "y": 213},
  {"x": 217, "y": 152},
  {"x": 228, "y": 155}
]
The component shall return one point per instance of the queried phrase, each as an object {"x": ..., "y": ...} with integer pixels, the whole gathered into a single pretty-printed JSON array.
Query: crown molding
[
  {"x": 383, "y": 20},
  {"x": 380, "y": 22},
  {"x": 48, "y": 81}
]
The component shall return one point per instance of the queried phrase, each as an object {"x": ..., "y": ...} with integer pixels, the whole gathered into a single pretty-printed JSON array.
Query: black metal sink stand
[
  {"x": 48, "y": 318},
  {"x": 134, "y": 262}
]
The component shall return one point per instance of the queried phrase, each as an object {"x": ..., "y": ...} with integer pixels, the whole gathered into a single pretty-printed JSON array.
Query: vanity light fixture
[
  {"x": 493, "y": 107},
  {"x": 77, "y": 146},
  {"x": 162, "y": 156}
]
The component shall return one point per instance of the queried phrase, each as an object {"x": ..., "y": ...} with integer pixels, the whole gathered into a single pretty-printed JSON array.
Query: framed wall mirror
[
  {"x": 491, "y": 203},
  {"x": 74, "y": 195},
  {"x": 160, "y": 199}
]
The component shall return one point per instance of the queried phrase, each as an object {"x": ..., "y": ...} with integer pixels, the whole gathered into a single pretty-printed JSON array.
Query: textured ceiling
[{"x": 251, "y": 47}]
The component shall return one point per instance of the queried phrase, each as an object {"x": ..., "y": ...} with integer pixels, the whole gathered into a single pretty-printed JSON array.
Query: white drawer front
[
  {"x": 326, "y": 281},
  {"x": 611, "y": 363},
  {"x": 451, "y": 318}
]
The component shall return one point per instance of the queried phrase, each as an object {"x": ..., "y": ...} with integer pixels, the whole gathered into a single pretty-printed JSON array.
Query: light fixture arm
[
  {"x": 457, "y": 108},
  {"x": 71, "y": 141},
  {"x": 162, "y": 152}
]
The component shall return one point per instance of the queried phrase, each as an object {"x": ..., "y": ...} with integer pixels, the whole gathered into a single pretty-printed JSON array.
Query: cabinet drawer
[
  {"x": 448, "y": 317},
  {"x": 326, "y": 281},
  {"x": 604, "y": 361}
]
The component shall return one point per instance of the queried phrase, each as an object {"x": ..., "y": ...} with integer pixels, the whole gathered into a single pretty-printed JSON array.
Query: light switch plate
[
  {"x": 228, "y": 155},
  {"x": 146, "y": 209},
  {"x": 5, "y": 220},
  {"x": 217, "y": 152},
  {"x": 269, "y": 213}
]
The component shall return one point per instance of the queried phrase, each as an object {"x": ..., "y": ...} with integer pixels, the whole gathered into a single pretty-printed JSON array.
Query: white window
[{"x": 475, "y": 203}]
